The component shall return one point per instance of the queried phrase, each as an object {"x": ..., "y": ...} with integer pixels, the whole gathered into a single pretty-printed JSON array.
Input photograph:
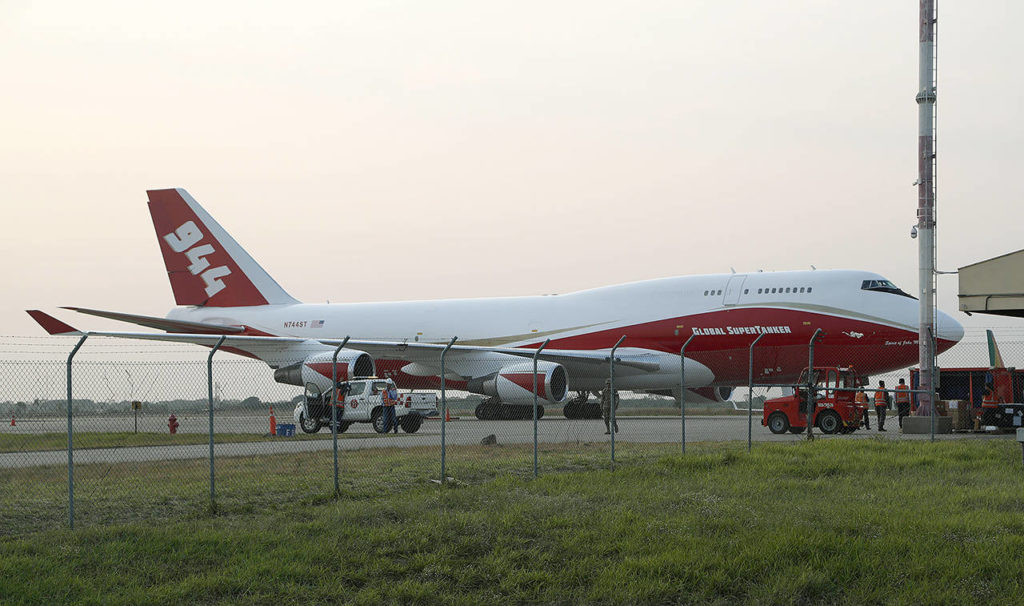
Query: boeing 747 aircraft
[{"x": 220, "y": 290}]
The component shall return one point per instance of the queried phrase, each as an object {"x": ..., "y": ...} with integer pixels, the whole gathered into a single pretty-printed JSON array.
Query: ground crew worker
[
  {"x": 989, "y": 405},
  {"x": 881, "y": 404},
  {"x": 341, "y": 392},
  {"x": 609, "y": 401},
  {"x": 902, "y": 401},
  {"x": 861, "y": 399},
  {"x": 392, "y": 395},
  {"x": 342, "y": 389}
]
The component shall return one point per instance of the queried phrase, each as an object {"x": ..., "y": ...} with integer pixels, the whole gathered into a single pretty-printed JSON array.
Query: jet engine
[
  {"x": 513, "y": 384},
  {"x": 721, "y": 393},
  {"x": 318, "y": 369}
]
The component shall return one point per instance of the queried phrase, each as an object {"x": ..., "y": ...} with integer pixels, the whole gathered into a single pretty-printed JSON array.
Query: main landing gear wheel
[
  {"x": 580, "y": 408},
  {"x": 829, "y": 422},
  {"x": 309, "y": 425},
  {"x": 493, "y": 409},
  {"x": 488, "y": 410},
  {"x": 410, "y": 423},
  {"x": 573, "y": 409},
  {"x": 778, "y": 423}
]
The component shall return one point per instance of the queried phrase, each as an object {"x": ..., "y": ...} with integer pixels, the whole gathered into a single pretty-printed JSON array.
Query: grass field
[
  {"x": 30, "y": 442},
  {"x": 833, "y": 521}
]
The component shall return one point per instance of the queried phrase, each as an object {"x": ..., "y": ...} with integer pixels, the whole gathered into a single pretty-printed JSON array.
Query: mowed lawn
[{"x": 833, "y": 521}]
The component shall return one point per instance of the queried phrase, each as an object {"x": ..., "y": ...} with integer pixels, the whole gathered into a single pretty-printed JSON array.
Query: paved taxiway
[{"x": 458, "y": 432}]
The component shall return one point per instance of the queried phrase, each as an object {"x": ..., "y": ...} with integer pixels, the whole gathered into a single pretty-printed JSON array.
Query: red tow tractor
[{"x": 835, "y": 410}]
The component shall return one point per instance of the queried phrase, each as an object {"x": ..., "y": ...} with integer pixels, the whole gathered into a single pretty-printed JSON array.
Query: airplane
[{"x": 221, "y": 291}]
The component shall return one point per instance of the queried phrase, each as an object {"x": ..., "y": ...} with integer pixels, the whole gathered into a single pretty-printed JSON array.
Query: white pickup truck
[{"x": 363, "y": 405}]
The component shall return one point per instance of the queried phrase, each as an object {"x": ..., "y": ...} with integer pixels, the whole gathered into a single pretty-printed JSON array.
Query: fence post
[
  {"x": 811, "y": 392},
  {"x": 750, "y": 394},
  {"x": 334, "y": 411},
  {"x": 611, "y": 396},
  {"x": 535, "y": 354},
  {"x": 71, "y": 462},
  {"x": 444, "y": 413},
  {"x": 682, "y": 391},
  {"x": 209, "y": 384}
]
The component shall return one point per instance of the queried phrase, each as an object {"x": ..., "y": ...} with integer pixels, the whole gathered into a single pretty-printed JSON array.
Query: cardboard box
[{"x": 961, "y": 413}]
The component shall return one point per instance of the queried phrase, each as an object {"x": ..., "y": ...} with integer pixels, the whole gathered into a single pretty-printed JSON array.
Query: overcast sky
[{"x": 368, "y": 151}]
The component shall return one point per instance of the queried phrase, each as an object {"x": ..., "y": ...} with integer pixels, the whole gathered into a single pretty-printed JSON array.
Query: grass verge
[
  {"x": 833, "y": 521},
  {"x": 29, "y": 442}
]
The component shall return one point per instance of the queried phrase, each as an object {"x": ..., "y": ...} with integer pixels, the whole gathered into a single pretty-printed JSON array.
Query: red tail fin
[{"x": 205, "y": 265}]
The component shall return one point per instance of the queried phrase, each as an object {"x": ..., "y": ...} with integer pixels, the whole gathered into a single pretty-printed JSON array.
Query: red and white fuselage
[
  {"x": 865, "y": 321},
  {"x": 872, "y": 330}
]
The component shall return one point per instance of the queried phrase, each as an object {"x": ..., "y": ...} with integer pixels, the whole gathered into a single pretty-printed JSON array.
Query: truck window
[
  {"x": 380, "y": 387},
  {"x": 831, "y": 382},
  {"x": 357, "y": 389}
]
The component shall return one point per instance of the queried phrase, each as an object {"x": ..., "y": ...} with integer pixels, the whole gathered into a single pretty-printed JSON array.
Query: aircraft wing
[
  {"x": 466, "y": 360},
  {"x": 474, "y": 357},
  {"x": 175, "y": 326},
  {"x": 275, "y": 351}
]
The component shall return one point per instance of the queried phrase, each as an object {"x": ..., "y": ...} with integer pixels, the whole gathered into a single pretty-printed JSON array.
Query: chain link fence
[{"x": 147, "y": 431}]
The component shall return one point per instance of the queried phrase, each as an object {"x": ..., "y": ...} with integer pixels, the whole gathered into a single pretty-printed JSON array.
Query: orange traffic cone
[
  {"x": 13, "y": 424},
  {"x": 448, "y": 415},
  {"x": 273, "y": 422}
]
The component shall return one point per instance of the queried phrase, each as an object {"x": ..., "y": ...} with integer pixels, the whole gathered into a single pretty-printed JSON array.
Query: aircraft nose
[{"x": 947, "y": 328}]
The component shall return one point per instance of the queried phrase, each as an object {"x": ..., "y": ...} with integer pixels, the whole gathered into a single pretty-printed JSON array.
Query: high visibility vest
[
  {"x": 861, "y": 398},
  {"x": 386, "y": 399},
  {"x": 989, "y": 401},
  {"x": 880, "y": 399},
  {"x": 902, "y": 394}
]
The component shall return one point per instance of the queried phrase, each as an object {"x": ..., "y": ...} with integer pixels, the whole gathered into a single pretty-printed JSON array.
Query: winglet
[{"x": 52, "y": 325}]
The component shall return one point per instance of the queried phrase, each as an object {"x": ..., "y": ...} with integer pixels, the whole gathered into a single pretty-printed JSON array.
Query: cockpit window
[{"x": 883, "y": 286}]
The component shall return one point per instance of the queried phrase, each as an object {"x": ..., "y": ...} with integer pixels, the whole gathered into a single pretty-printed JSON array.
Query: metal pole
[
  {"x": 925, "y": 98},
  {"x": 750, "y": 394},
  {"x": 611, "y": 396},
  {"x": 444, "y": 413},
  {"x": 71, "y": 462},
  {"x": 682, "y": 391},
  {"x": 209, "y": 384},
  {"x": 811, "y": 392},
  {"x": 535, "y": 354},
  {"x": 334, "y": 411},
  {"x": 934, "y": 386}
]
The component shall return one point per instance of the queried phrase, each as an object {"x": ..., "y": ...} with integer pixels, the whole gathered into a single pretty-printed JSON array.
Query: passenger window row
[
  {"x": 786, "y": 290},
  {"x": 766, "y": 291}
]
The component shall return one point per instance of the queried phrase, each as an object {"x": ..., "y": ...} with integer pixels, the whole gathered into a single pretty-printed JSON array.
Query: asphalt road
[{"x": 463, "y": 431}]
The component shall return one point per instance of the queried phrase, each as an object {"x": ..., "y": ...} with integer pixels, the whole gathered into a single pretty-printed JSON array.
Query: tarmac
[{"x": 458, "y": 432}]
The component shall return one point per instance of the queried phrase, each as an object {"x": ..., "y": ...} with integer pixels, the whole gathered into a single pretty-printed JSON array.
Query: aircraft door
[{"x": 733, "y": 290}]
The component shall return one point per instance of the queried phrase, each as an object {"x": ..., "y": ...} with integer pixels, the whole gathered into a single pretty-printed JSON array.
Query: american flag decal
[{"x": 318, "y": 323}]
